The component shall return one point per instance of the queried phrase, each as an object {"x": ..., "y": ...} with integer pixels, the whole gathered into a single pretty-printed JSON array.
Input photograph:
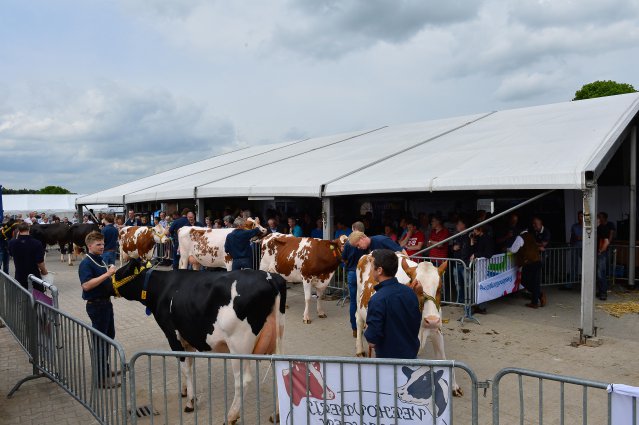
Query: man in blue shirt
[
  {"x": 393, "y": 318},
  {"x": 110, "y": 234},
  {"x": 361, "y": 241},
  {"x": 173, "y": 230},
  {"x": 351, "y": 256},
  {"x": 238, "y": 244},
  {"x": 95, "y": 279},
  {"x": 28, "y": 257}
]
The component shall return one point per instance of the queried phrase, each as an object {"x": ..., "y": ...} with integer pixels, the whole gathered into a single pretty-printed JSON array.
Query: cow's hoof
[
  {"x": 188, "y": 409},
  {"x": 71, "y": 264},
  {"x": 183, "y": 394},
  {"x": 322, "y": 316},
  {"x": 274, "y": 421},
  {"x": 360, "y": 355},
  {"x": 457, "y": 392},
  {"x": 307, "y": 321},
  {"x": 286, "y": 306}
]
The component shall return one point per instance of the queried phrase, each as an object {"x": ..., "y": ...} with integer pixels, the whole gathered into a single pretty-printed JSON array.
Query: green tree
[
  {"x": 54, "y": 190},
  {"x": 602, "y": 89}
]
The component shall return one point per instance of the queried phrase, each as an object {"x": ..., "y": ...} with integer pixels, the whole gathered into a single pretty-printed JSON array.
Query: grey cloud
[
  {"x": 84, "y": 139},
  {"x": 330, "y": 29},
  {"x": 536, "y": 13}
]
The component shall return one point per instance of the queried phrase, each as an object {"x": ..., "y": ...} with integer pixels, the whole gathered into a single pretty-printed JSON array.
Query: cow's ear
[{"x": 408, "y": 372}]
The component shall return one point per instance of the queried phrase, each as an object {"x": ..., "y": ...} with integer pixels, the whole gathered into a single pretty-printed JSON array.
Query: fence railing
[
  {"x": 217, "y": 379},
  {"x": 571, "y": 400}
]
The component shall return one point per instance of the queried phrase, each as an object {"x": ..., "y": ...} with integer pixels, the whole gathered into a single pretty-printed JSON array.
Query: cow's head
[
  {"x": 419, "y": 385},
  {"x": 339, "y": 244},
  {"x": 159, "y": 235},
  {"x": 298, "y": 375},
  {"x": 252, "y": 223},
  {"x": 125, "y": 280},
  {"x": 427, "y": 284}
]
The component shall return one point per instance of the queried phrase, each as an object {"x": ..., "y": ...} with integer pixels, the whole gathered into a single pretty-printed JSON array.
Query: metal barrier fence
[
  {"x": 163, "y": 252},
  {"x": 158, "y": 394},
  {"x": 570, "y": 401},
  {"x": 456, "y": 280}
]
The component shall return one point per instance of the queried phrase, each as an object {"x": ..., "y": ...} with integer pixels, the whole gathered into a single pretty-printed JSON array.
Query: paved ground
[{"x": 510, "y": 335}]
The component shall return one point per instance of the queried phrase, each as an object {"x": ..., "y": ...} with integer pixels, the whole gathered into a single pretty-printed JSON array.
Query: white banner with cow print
[
  {"x": 496, "y": 277},
  {"x": 625, "y": 400},
  {"x": 365, "y": 393}
]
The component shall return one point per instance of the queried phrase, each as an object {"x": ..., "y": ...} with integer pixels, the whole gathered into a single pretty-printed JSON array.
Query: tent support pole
[
  {"x": 633, "y": 208},
  {"x": 328, "y": 218},
  {"x": 199, "y": 206},
  {"x": 589, "y": 264},
  {"x": 495, "y": 217}
]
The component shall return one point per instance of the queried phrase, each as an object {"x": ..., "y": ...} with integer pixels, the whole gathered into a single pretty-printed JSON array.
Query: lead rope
[{"x": 96, "y": 263}]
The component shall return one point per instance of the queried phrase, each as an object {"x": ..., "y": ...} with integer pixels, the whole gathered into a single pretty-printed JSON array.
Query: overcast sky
[{"x": 96, "y": 93}]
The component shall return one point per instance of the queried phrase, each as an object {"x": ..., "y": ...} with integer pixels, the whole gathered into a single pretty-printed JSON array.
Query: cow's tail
[{"x": 280, "y": 285}]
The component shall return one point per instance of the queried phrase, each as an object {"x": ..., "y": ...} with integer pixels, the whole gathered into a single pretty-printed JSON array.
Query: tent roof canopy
[{"x": 541, "y": 147}]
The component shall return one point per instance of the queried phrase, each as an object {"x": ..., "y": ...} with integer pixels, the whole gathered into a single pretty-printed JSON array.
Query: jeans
[
  {"x": 4, "y": 259},
  {"x": 602, "y": 274},
  {"x": 108, "y": 257},
  {"x": 351, "y": 278},
  {"x": 575, "y": 263},
  {"x": 101, "y": 315},
  {"x": 241, "y": 263},
  {"x": 458, "y": 275}
]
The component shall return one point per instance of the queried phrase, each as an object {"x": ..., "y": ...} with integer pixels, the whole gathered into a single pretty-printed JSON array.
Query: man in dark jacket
[
  {"x": 461, "y": 250},
  {"x": 28, "y": 257},
  {"x": 110, "y": 234},
  {"x": 393, "y": 318},
  {"x": 238, "y": 244},
  {"x": 173, "y": 231},
  {"x": 528, "y": 257}
]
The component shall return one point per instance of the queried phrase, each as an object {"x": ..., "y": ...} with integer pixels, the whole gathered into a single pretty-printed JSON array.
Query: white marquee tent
[
  {"x": 60, "y": 205},
  {"x": 549, "y": 146}
]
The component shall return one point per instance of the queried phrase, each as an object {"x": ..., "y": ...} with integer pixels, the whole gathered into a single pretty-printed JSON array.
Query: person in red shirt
[
  {"x": 437, "y": 234},
  {"x": 413, "y": 240}
]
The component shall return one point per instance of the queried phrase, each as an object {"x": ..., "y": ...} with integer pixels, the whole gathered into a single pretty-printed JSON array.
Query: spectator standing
[
  {"x": 119, "y": 222},
  {"x": 612, "y": 229},
  {"x": 388, "y": 231},
  {"x": 191, "y": 218},
  {"x": 208, "y": 222},
  {"x": 603, "y": 242},
  {"x": 132, "y": 220},
  {"x": 318, "y": 231},
  {"x": 272, "y": 226},
  {"x": 228, "y": 221},
  {"x": 437, "y": 234},
  {"x": 481, "y": 245},
  {"x": 393, "y": 318},
  {"x": 294, "y": 228},
  {"x": 507, "y": 238},
  {"x": 31, "y": 219},
  {"x": 218, "y": 224},
  {"x": 461, "y": 250},
  {"x": 6, "y": 234},
  {"x": 413, "y": 240},
  {"x": 542, "y": 234},
  {"x": 238, "y": 244},
  {"x": 145, "y": 222},
  {"x": 162, "y": 220},
  {"x": 341, "y": 229},
  {"x": 28, "y": 257},
  {"x": 97, "y": 289},
  {"x": 110, "y": 234},
  {"x": 528, "y": 257}
]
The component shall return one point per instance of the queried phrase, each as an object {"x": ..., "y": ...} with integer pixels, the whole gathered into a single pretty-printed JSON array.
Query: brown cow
[
  {"x": 139, "y": 241},
  {"x": 308, "y": 260}
]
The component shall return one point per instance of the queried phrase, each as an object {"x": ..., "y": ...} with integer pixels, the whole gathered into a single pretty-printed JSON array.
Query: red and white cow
[
  {"x": 425, "y": 279},
  {"x": 139, "y": 241},
  {"x": 308, "y": 260},
  {"x": 201, "y": 246}
]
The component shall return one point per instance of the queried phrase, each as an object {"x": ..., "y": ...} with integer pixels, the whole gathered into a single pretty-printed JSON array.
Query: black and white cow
[
  {"x": 418, "y": 389},
  {"x": 241, "y": 312},
  {"x": 54, "y": 234}
]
